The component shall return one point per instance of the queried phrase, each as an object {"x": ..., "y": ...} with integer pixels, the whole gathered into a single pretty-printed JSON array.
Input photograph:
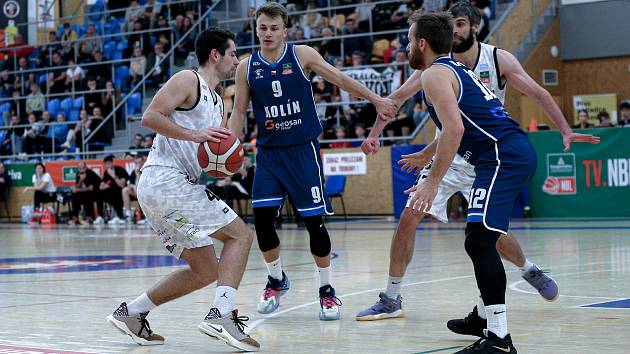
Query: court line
[{"x": 440, "y": 349}]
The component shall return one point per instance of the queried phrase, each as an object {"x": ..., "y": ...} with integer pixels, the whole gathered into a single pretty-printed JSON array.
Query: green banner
[
  {"x": 21, "y": 174},
  {"x": 588, "y": 181}
]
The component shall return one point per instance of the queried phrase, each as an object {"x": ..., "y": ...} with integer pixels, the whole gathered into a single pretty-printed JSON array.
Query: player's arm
[
  {"x": 177, "y": 92},
  {"x": 241, "y": 100},
  {"x": 312, "y": 60},
  {"x": 521, "y": 81}
]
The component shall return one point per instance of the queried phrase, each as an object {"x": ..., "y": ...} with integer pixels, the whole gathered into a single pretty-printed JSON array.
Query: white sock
[
  {"x": 527, "y": 266},
  {"x": 324, "y": 275},
  {"x": 481, "y": 308},
  {"x": 141, "y": 304},
  {"x": 275, "y": 269},
  {"x": 497, "y": 320},
  {"x": 394, "y": 285},
  {"x": 224, "y": 299},
  {"x": 127, "y": 213}
]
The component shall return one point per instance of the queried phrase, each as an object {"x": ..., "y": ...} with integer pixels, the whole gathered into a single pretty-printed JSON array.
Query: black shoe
[
  {"x": 471, "y": 325},
  {"x": 490, "y": 345}
]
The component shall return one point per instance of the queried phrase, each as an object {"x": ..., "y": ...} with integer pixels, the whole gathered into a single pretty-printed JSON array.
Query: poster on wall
[
  {"x": 593, "y": 105},
  {"x": 349, "y": 163}
]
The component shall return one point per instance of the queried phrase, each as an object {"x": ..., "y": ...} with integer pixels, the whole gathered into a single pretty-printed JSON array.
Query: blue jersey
[
  {"x": 282, "y": 100},
  {"x": 485, "y": 119}
]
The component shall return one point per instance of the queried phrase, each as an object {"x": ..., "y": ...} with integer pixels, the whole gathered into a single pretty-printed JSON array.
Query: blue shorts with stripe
[
  {"x": 295, "y": 171},
  {"x": 500, "y": 177}
]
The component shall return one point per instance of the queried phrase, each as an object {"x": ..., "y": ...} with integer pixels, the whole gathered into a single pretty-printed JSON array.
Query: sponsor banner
[
  {"x": 588, "y": 181},
  {"x": 349, "y": 163},
  {"x": 63, "y": 173},
  {"x": 594, "y": 104}
]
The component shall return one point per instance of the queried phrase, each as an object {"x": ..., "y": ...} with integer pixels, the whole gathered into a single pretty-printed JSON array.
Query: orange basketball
[{"x": 221, "y": 159}]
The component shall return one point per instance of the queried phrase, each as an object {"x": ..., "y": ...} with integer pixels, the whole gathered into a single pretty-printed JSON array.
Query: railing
[{"x": 500, "y": 21}]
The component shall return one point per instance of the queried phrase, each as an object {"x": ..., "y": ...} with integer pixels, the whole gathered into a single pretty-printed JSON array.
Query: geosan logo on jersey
[
  {"x": 29, "y": 265},
  {"x": 560, "y": 174}
]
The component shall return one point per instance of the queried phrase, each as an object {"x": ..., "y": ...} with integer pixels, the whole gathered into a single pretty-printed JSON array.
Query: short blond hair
[{"x": 273, "y": 9}]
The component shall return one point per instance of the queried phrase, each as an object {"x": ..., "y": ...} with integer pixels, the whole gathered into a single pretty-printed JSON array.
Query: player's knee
[
  {"x": 319, "y": 238},
  {"x": 479, "y": 239},
  {"x": 265, "y": 230},
  {"x": 409, "y": 218}
]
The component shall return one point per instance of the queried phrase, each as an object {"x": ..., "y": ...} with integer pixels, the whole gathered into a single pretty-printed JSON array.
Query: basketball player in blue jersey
[
  {"x": 288, "y": 160},
  {"x": 496, "y": 68},
  {"x": 475, "y": 125}
]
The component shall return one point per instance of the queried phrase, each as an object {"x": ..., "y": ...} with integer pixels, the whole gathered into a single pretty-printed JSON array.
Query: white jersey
[{"x": 181, "y": 154}]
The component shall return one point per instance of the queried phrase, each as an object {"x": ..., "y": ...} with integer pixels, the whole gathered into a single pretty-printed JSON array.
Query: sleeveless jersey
[
  {"x": 180, "y": 154},
  {"x": 282, "y": 100},
  {"x": 487, "y": 70},
  {"x": 485, "y": 119}
]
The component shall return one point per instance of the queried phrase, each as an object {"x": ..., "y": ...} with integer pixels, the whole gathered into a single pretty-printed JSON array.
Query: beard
[
  {"x": 415, "y": 60},
  {"x": 464, "y": 45}
]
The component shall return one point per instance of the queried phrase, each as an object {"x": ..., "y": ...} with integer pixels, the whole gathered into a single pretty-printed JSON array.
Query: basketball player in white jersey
[
  {"x": 495, "y": 67},
  {"x": 187, "y": 217}
]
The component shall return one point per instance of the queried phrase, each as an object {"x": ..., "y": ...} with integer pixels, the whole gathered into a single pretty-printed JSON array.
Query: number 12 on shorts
[{"x": 477, "y": 198}]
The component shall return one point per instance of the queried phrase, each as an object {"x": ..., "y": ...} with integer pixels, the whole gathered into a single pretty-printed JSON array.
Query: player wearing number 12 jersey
[{"x": 288, "y": 162}]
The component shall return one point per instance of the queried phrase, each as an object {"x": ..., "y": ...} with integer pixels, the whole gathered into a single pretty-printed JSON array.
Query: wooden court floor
[{"x": 57, "y": 284}]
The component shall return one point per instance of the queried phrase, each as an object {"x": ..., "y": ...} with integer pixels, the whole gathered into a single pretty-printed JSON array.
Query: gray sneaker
[
  {"x": 229, "y": 329},
  {"x": 136, "y": 327},
  {"x": 544, "y": 284},
  {"x": 385, "y": 307}
]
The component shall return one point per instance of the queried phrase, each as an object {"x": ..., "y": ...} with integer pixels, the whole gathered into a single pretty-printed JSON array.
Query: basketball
[{"x": 221, "y": 159}]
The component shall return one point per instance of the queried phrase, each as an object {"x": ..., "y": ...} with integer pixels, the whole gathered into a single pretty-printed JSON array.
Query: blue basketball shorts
[{"x": 295, "y": 171}]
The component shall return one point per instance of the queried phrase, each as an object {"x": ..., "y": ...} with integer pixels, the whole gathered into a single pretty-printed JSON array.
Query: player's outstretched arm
[
  {"x": 241, "y": 100},
  {"x": 440, "y": 85},
  {"x": 312, "y": 60},
  {"x": 521, "y": 81},
  {"x": 179, "y": 91}
]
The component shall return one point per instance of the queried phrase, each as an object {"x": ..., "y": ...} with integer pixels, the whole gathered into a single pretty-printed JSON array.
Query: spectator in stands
[
  {"x": 84, "y": 193},
  {"x": 320, "y": 109},
  {"x": 5, "y": 183},
  {"x": 138, "y": 65},
  {"x": 101, "y": 72},
  {"x": 75, "y": 135},
  {"x": 353, "y": 44},
  {"x": 47, "y": 133},
  {"x": 298, "y": 34},
  {"x": 340, "y": 133},
  {"x": 334, "y": 112},
  {"x": 329, "y": 48},
  {"x": 132, "y": 15},
  {"x": 604, "y": 120},
  {"x": 399, "y": 69},
  {"x": 60, "y": 131},
  {"x": 6, "y": 82},
  {"x": 420, "y": 112},
  {"x": 151, "y": 11},
  {"x": 360, "y": 132},
  {"x": 311, "y": 22},
  {"x": 244, "y": 37},
  {"x": 108, "y": 97},
  {"x": 16, "y": 134},
  {"x": 43, "y": 186},
  {"x": 129, "y": 191},
  {"x": 92, "y": 98},
  {"x": 20, "y": 48},
  {"x": 400, "y": 15},
  {"x": 112, "y": 183},
  {"x": 364, "y": 12},
  {"x": 142, "y": 40},
  {"x": 362, "y": 112},
  {"x": 21, "y": 78},
  {"x": 433, "y": 5},
  {"x": 5, "y": 142},
  {"x": 35, "y": 101},
  {"x": 403, "y": 123},
  {"x": 68, "y": 41},
  {"x": 74, "y": 77},
  {"x": 162, "y": 28},
  {"x": 32, "y": 138},
  {"x": 188, "y": 45},
  {"x": 46, "y": 51},
  {"x": 624, "y": 109},
  {"x": 148, "y": 140},
  {"x": 583, "y": 120},
  {"x": 155, "y": 60},
  {"x": 89, "y": 44},
  {"x": 18, "y": 106},
  {"x": 138, "y": 142},
  {"x": 57, "y": 75},
  {"x": 101, "y": 135}
]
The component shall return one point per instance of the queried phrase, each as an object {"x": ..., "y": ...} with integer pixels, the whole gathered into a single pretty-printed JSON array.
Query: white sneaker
[
  {"x": 141, "y": 221},
  {"x": 229, "y": 329},
  {"x": 99, "y": 220},
  {"x": 116, "y": 220}
]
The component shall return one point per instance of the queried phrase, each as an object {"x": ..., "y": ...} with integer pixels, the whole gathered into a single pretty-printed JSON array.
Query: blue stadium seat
[
  {"x": 108, "y": 49},
  {"x": 134, "y": 104},
  {"x": 74, "y": 115},
  {"x": 4, "y": 108},
  {"x": 121, "y": 77},
  {"x": 43, "y": 79},
  {"x": 117, "y": 55},
  {"x": 65, "y": 107},
  {"x": 122, "y": 44},
  {"x": 53, "y": 106},
  {"x": 78, "y": 103}
]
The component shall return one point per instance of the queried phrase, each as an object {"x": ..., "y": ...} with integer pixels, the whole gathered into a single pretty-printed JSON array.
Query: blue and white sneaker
[
  {"x": 329, "y": 304},
  {"x": 544, "y": 284},
  {"x": 270, "y": 299},
  {"x": 385, "y": 307}
]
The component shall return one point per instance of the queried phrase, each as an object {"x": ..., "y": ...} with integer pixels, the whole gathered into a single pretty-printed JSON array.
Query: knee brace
[
  {"x": 480, "y": 245},
  {"x": 266, "y": 235},
  {"x": 319, "y": 238}
]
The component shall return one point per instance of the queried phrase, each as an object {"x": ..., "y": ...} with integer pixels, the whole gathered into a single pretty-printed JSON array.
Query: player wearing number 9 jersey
[{"x": 288, "y": 162}]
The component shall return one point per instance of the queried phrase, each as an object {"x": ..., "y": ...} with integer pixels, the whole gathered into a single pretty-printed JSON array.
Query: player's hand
[
  {"x": 212, "y": 134},
  {"x": 423, "y": 195},
  {"x": 414, "y": 162},
  {"x": 370, "y": 145},
  {"x": 572, "y": 137},
  {"x": 386, "y": 109}
]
